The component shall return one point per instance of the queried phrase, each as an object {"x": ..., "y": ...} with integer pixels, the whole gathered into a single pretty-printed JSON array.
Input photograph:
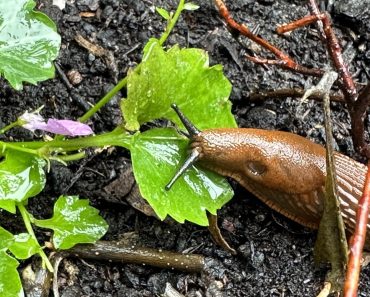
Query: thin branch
[
  {"x": 358, "y": 240},
  {"x": 286, "y": 61},
  {"x": 307, "y": 20},
  {"x": 294, "y": 92},
  {"x": 358, "y": 113},
  {"x": 335, "y": 53},
  {"x": 122, "y": 252}
]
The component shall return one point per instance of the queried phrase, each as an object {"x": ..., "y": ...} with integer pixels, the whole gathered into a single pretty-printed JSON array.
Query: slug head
[
  {"x": 270, "y": 159},
  {"x": 194, "y": 155}
]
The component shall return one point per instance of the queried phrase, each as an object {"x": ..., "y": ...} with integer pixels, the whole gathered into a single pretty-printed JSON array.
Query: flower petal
[
  {"x": 67, "y": 127},
  {"x": 32, "y": 121}
]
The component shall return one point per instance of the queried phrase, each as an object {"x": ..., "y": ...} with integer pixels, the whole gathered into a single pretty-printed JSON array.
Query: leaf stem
[
  {"x": 15, "y": 146},
  {"x": 122, "y": 83},
  {"x": 27, "y": 223},
  {"x": 172, "y": 22},
  {"x": 72, "y": 157},
  {"x": 8, "y": 127},
  {"x": 117, "y": 137}
]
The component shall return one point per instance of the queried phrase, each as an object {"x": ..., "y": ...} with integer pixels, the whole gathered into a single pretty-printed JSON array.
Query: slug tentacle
[{"x": 284, "y": 170}]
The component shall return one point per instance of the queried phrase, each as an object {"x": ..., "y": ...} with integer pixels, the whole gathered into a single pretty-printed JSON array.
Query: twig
[
  {"x": 294, "y": 92},
  {"x": 286, "y": 61},
  {"x": 57, "y": 259},
  {"x": 63, "y": 76},
  {"x": 335, "y": 53},
  {"x": 358, "y": 240},
  {"x": 358, "y": 113},
  {"x": 307, "y": 20},
  {"x": 120, "y": 252}
]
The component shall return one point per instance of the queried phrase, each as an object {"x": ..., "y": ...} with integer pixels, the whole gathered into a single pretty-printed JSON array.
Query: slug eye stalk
[
  {"x": 194, "y": 155},
  {"x": 192, "y": 130}
]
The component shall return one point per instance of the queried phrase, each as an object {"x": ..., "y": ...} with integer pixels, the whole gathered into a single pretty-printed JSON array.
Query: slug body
[{"x": 284, "y": 170}]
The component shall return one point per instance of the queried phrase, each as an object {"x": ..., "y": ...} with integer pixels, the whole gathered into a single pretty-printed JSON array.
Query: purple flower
[
  {"x": 34, "y": 121},
  {"x": 31, "y": 120},
  {"x": 67, "y": 127}
]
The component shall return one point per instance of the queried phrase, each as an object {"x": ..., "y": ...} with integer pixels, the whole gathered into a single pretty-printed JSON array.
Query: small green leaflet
[
  {"x": 24, "y": 246},
  {"x": 180, "y": 76},
  {"x": 29, "y": 42},
  {"x": 156, "y": 154},
  {"x": 10, "y": 283},
  {"x": 73, "y": 222},
  {"x": 190, "y": 6},
  {"x": 163, "y": 13},
  {"x": 21, "y": 176}
]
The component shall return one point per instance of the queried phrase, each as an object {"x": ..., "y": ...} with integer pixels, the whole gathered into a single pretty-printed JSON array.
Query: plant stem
[
  {"x": 6, "y": 128},
  {"x": 115, "y": 138},
  {"x": 27, "y": 223},
  {"x": 72, "y": 157},
  {"x": 122, "y": 83},
  {"x": 172, "y": 22},
  {"x": 14, "y": 146}
]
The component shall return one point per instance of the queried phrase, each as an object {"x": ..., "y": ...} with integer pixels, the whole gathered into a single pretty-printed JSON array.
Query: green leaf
[
  {"x": 73, "y": 222},
  {"x": 10, "y": 283},
  {"x": 162, "y": 12},
  {"x": 24, "y": 246},
  {"x": 191, "y": 6},
  {"x": 21, "y": 176},
  {"x": 155, "y": 156},
  {"x": 180, "y": 76},
  {"x": 29, "y": 42},
  {"x": 6, "y": 238}
]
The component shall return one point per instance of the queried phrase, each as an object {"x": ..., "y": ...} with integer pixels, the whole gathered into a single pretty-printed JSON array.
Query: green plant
[{"x": 184, "y": 78}]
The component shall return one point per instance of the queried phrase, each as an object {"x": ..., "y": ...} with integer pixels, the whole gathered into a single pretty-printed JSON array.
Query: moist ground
[{"x": 275, "y": 255}]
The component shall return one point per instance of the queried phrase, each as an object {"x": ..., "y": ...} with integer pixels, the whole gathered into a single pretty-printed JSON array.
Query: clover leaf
[
  {"x": 73, "y": 222},
  {"x": 29, "y": 42}
]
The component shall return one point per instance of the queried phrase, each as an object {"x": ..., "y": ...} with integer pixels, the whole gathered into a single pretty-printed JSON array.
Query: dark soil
[{"x": 275, "y": 255}]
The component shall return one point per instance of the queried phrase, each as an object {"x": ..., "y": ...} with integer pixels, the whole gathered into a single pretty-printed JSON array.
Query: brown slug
[{"x": 284, "y": 170}]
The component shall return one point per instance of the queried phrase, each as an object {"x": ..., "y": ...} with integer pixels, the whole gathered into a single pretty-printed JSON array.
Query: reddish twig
[
  {"x": 357, "y": 104},
  {"x": 307, "y": 20},
  {"x": 357, "y": 241},
  {"x": 358, "y": 112},
  {"x": 335, "y": 53},
  {"x": 286, "y": 61}
]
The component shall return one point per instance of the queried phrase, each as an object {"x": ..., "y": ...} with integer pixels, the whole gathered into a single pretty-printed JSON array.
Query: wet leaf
[
  {"x": 24, "y": 246},
  {"x": 10, "y": 283},
  {"x": 29, "y": 42},
  {"x": 6, "y": 238},
  {"x": 21, "y": 176},
  {"x": 74, "y": 221},
  {"x": 155, "y": 156},
  {"x": 180, "y": 76}
]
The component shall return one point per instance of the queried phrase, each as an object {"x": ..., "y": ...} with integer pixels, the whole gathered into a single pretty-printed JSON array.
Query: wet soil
[{"x": 275, "y": 255}]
